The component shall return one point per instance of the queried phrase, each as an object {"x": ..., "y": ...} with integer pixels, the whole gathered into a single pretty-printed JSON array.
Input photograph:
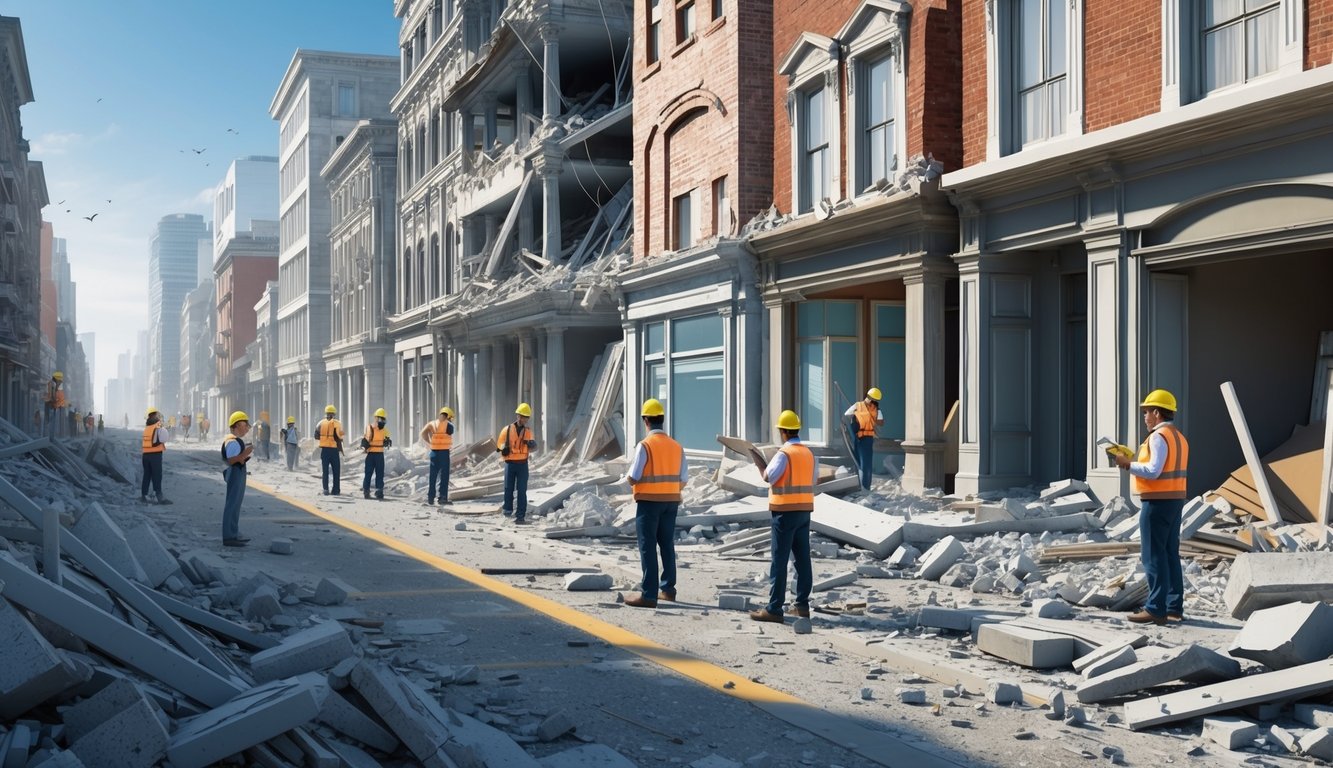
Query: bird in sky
[
  {"x": 67, "y": 210},
  {"x": 198, "y": 151},
  {"x": 233, "y": 130},
  {"x": 99, "y": 101},
  {"x": 62, "y": 202},
  {"x": 108, "y": 200},
  {"x": 90, "y": 218}
]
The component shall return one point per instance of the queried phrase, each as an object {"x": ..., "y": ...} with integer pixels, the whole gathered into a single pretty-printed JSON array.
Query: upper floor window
[
  {"x": 1039, "y": 70},
  {"x": 684, "y": 21},
  {"x": 877, "y": 123},
  {"x": 1240, "y": 41},
  {"x": 811, "y": 67},
  {"x": 814, "y": 177},
  {"x": 875, "y": 39},
  {"x": 682, "y": 214},
  {"x": 654, "y": 31},
  {"x": 346, "y": 99},
  {"x": 718, "y": 10}
]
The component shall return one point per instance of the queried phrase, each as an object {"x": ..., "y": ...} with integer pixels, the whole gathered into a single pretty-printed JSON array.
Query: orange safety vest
[
  {"x": 513, "y": 436},
  {"x": 55, "y": 395},
  {"x": 1171, "y": 483},
  {"x": 866, "y": 417},
  {"x": 440, "y": 439},
  {"x": 330, "y": 432},
  {"x": 376, "y": 437},
  {"x": 149, "y": 432},
  {"x": 789, "y": 493},
  {"x": 661, "y": 473}
]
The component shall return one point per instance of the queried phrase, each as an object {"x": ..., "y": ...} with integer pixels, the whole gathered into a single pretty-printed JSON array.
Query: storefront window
[
  {"x": 692, "y": 374},
  {"x": 891, "y": 367},
  {"x": 827, "y": 355}
]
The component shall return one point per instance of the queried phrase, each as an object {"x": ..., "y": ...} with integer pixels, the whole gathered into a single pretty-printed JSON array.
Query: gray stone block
[
  {"x": 1061, "y": 488},
  {"x": 31, "y": 669},
  {"x": 1028, "y": 647},
  {"x": 555, "y": 725},
  {"x": 588, "y": 582},
  {"x": 250, "y": 718},
  {"x": 100, "y": 533},
  {"x": 1047, "y": 608},
  {"x": 1003, "y": 693},
  {"x": 1106, "y": 659},
  {"x": 959, "y": 575},
  {"x": 1315, "y": 715},
  {"x": 1281, "y": 737},
  {"x": 1191, "y": 662},
  {"x": 1230, "y": 732},
  {"x": 1286, "y": 635},
  {"x": 319, "y": 647},
  {"x": 733, "y": 602},
  {"x": 131, "y": 738},
  {"x": 86, "y": 716},
  {"x": 1266, "y": 579},
  {"x": 280, "y": 546},
  {"x": 156, "y": 560},
  {"x": 1075, "y": 502},
  {"x": 904, "y": 556},
  {"x": 939, "y": 557},
  {"x": 262, "y": 604},
  {"x": 833, "y": 582},
  {"x": 911, "y": 695},
  {"x": 333, "y": 592},
  {"x": 342, "y": 715},
  {"x": 1318, "y": 744}
]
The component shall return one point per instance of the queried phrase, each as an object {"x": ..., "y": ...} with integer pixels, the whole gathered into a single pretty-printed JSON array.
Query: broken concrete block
[
  {"x": 208, "y": 567},
  {"x": 14, "y": 746},
  {"x": 1047, "y": 608},
  {"x": 1023, "y": 566},
  {"x": 1318, "y": 743},
  {"x": 588, "y": 582},
  {"x": 1286, "y": 635},
  {"x": 1315, "y": 715},
  {"x": 959, "y": 575},
  {"x": 1028, "y": 647},
  {"x": 100, "y": 533},
  {"x": 853, "y": 524},
  {"x": 1055, "y": 699},
  {"x": 262, "y": 604},
  {"x": 1284, "y": 684},
  {"x": 332, "y": 592},
  {"x": 1115, "y": 510},
  {"x": 938, "y": 558},
  {"x": 833, "y": 582},
  {"x": 346, "y": 718},
  {"x": 152, "y": 554},
  {"x": 318, "y": 647},
  {"x": 33, "y": 670},
  {"x": 733, "y": 602},
  {"x": 1063, "y": 488},
  {"x": 1197, "y": 512},
  {"x": 555, "y": 725},
  {"x": 86, "y": 716},
  {"x": 1002, "y": 693},
  {"x": 1075, "y": 502},
  {"x": 280, "y": 546},
  {"x": 133, "y": 737},
  {"x": 1012, "y": 582},
  {"x": 801, "y": 626},
  {"x": 743, "y": 479},
  {"x": 352, "y": 757},
  {"x": 1267, "y": 579},
  {"x": 904, "y": 556},
  {"x": 1230, "y": 732},
  {"x": 911, "y": 695},
  {"x": 992, "y": 513},
  {"x": 1105, "y": 659},
  {"x": 1192, "y": 662},
  {"x": 1281, "y": 737},
  {"x": 1124, "y": 530},
  {"x": 983, "y": 583},
  {"x": 250, "y": 718}
]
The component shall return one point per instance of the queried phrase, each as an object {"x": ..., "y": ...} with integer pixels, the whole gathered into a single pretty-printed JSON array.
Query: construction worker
[
  {"x": 791, "y": 498},
  {"x": 291, "y": 442},
  {"x": 75, "y": 420},
  {"x": 863, "y": 417},
  {"x": 154, "y": 445},
  {"x": 330, "y": 435},
  {"x": 264, "y": 434},
  {"x": 101, "y": 427},
  {"x": 204, "y": 425},
  {"x": 439, "y": 435},
  {"x": 514, "y": 443},
  {"x": 55, "y": 404},
  {"x": 1157, "y": 476},
  {"x": 374, "y": 441},
  {"x": 235, "y": 454},
  {"x": 185, "y": 427},
  {"x": 657, "y": 474},
  {"x": 171, "y": 425}
]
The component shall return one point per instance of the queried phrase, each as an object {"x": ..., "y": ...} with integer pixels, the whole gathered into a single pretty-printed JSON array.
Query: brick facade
[{"x": 1318, "y": 33}]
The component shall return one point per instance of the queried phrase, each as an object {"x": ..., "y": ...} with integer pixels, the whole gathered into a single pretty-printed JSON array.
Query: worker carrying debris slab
[
  {"x": 235, "y": 454},
  {"x": 439, "y": 435},
  {"x": 515, "y": 443},
  {"x": 374, "y": 441},
  {"x": 791, "y": 499},
  {"x": 658, "y": 474},
  {"x": 1158, "y": 476}
]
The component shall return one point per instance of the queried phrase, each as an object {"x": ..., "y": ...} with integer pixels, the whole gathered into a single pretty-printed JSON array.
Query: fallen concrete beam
[
  {"x": 1267, "y": 579},
  {"x": 744, "y": 479},
  {"x": 1286, "y": 635},
  {"x": 1252, "y": 460},
  {"x": 250, "y": 718},
  {"x": 114, "y": 637},
  {"x": 751, "y": 509},
  {"x": 123, "y": 587},
  {"x": 22, "y": 448},
  {"x": 543, "y": 501},
  {"x": 96, "y": 529},
  {"x": 340, "y": 714},
  {"x": 1105, "y": 660},
  {"x": 1085, "y": 632},
  {"x": 154, "y": 558},
  {"x": 1027, "y": 647},
  {"x": 211, "y": 622},
  {"x": 876, "y": 532},
  {"x": 318, "y": 647},
  {"x": 33, "y": 670},
  {"x": 591, "y": 531},
  {"x": 924, "y": 529},
  {"x": 132, "y": 737},
  {"x": 1191, "y": 662},
  {"x": 1285, "y": 684}
]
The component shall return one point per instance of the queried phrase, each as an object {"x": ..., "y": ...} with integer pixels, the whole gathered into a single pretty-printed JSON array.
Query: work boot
[
  {"x": 379, "y": 496},
  {"x": 430, "y": 502},
  {"x": 1145, "y": 617},
  {"x": 366, "y": 494},
  {"x": 640, "y": 602},
  {"x": 446, "y": 503},
  {"x": 144, "y": 500},
  {"x": 234, "y": 542},
  {"x": 801, "y": 611},
  {"x": 163, "y": 500},
  {"x": 1175, "y": 618},
  {"x": 520, "y": 521},
  {"x": 763, "y": 615},
  {"x": 668, "y": 596}
]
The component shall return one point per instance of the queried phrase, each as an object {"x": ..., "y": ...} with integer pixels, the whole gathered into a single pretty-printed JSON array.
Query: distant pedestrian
[
  {"x": 154, "y": 446},
  {"x": 791, "y": 498},
  {"x": 125, "y": 421},
  {"x": 54, "y": 403},
  {"x": 204, "y": 426},
  {"x": 375, "y": 440},
  {"x": 331, "y": 435},
  {"x": 88, "y": 423},
  {"x": 235, "y": 454},
  {"x": 1158, "y": 477},
  {"x": 100, "y": 426},
  {"x": 515, "y": 443},
  {"x": 657, "y": 474},
  {"x": 439, "y": 435},
  {"x": 291, "y": 442}
]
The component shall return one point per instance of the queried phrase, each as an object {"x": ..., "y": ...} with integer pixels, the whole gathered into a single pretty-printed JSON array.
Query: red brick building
[{"x": 247, "y": 263}]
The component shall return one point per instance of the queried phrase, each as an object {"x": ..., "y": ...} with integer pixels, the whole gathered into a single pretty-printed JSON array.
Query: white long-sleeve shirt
[
  {"x": 641, "y": 460},
  {"x": 1151, "y": 469},
  {"x": 779, "y": 465}
]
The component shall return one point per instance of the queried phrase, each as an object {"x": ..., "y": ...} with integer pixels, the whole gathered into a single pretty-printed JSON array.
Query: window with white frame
[
  {"x": 811, "y": 67},
  {"x": 683, "y": 364},
  {"x": 654, "y": 31},
  {"x": 1213, "y": 45},
  {"x": 827, "y": 353},
  {"x": 876, "y": 122},
  {"x": 875, "y": 39},
  {"x": 814, "y": 174},
  {"x": 682, "y": 216},
  {"x": 1034, "y": 72}
]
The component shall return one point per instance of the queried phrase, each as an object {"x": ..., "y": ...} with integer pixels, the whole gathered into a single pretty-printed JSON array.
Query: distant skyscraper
[
  {"x": 173, "y": 264},
  {"x": 89, "y": 342}
]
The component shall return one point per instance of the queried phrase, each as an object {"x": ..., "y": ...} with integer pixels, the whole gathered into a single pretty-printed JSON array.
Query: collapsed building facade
[{"x": 514, "y": 169}]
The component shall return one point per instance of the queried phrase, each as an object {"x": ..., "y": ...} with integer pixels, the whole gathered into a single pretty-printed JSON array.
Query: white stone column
[
  {"x": 633, "y": 387},
  {"x": 548, "y": 167},
  {"x": 522, "y": 103},
  {"x": 781, "y": 370},
  {"x": 553, "y": 390},
  {"x": 1107, "y": 373},
  {"x": 973, "y": 409},
  {"x": 551, "y": 106},
  {"x": 923, "y": 389}
]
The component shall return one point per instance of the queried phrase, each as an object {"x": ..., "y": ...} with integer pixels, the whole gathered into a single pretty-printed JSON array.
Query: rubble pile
[{"x": 116, "y": 650}]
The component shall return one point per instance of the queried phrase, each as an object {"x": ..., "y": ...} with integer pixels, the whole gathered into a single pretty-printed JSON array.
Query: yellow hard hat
[
  {"x": 447, "y": 411},
  {"x": 330, "y": 409},
  {"x": 789, "y": 420},
  {"x": 524, "y": 409},
  {"x": 874, "y": 394},
  {"x": 651, "y": 407},
  {"x": 237, "y": 416},
  {"x": 58, "y": 376},
  {"x": 151, "y": 411},
  {"x": 291, "y": 419},
  {"x": 1159, "y": 398},
  {"x": 380, "y": 414}
]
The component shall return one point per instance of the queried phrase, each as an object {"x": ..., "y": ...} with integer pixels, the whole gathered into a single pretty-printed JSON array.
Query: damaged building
[{"x": 514, "y": 200}]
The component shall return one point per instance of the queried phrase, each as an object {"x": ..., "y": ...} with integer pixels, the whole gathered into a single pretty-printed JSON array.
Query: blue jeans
[
  {"x": 231, "y": 509},
  {"x": 1159, "y": 537},
  {"x": 865, "y": 455},
  {"x": 655, "y": 522},
  {"x": 330, "y": 462},
  {"x": 292, "y": 450},
  {"x": 152, "y": 473},
  {"x": 374, "y": 466},
  {"x": 439, "y": 470},
  {"x": 791, "y": 539},
  {"x": 516, "y": 479}
]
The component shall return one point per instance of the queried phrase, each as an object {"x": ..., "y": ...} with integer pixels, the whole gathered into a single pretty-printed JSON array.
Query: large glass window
[
  {"x": 878, "y": 125},
  {"x": 827, "y": 355},
  {"x": 1040, "y": 66},
  {"x": 1240, "y": 41},
  {"x": 683, "y": 363},
  {"x": 891, "y": 367},
  {"x": 815, "y": 169},
  {"x": 346, "y": 99}
]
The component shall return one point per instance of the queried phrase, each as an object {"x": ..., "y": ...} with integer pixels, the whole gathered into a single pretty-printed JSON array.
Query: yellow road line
[{"x": 697, "y": 669}]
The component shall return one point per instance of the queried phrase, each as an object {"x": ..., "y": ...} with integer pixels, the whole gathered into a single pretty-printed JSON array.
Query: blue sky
[{"x": 171, "y": 75}]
